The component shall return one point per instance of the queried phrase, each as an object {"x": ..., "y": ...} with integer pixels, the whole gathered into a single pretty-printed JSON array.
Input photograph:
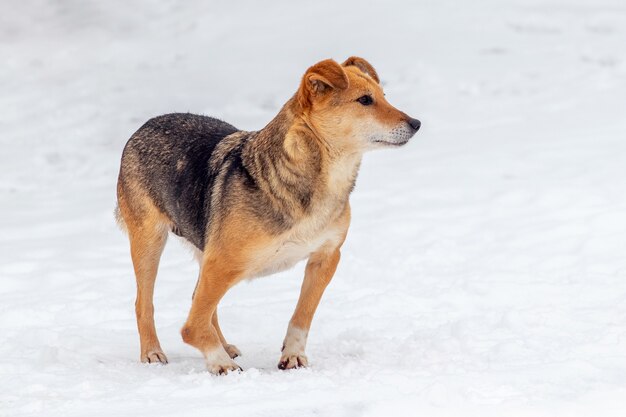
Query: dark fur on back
[{"x": 169, "y": 156}]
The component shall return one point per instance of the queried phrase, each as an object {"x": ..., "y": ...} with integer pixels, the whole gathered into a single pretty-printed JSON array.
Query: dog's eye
[{"x": 365, "y": 100}]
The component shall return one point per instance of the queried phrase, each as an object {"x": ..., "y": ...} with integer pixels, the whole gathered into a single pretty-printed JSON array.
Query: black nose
[{"x": 415, "y": 124}]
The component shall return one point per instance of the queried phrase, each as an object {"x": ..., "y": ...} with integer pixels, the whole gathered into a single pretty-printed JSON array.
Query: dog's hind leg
[
  {"x": 147, "y": 235},
  {"x": 232, "y": 350}
]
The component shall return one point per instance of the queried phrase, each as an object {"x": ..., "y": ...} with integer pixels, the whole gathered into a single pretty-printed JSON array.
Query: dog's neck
[{"x": 287, "y": 154}]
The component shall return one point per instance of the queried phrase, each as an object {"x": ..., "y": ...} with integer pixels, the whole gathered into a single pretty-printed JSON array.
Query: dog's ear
[
  {"x": 363, "y": 65},
  {"x": 321, "y": 78}
]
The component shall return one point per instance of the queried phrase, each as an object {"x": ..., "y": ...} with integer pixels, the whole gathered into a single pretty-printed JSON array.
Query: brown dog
[{"x": 253, "y": 203}]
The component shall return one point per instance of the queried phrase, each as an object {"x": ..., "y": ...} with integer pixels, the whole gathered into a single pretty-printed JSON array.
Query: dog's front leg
[
  {"x": 319, "y": 271},
  {"x": 216, "y": 277}
]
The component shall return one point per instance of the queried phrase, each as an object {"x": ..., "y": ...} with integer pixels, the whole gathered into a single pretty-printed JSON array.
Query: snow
[{"x": 485, "y": 269}]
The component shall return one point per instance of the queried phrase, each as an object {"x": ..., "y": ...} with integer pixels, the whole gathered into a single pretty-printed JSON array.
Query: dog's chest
[
  {"x": 315, "y": 230},
  {"x": 297, "y": 244}
]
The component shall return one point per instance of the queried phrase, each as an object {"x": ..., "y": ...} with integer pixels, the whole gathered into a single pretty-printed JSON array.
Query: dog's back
[{"x": 169, "y": 159}]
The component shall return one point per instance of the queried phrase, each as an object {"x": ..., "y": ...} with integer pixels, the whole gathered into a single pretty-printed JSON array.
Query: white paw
[
  {"x": 292, "y": 361},
  {"x": 218, "y": 362},
  {"x": 293, "y": 349}
]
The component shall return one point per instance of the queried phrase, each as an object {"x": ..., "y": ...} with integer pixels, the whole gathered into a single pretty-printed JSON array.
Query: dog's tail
[{"x": 119, "y": 219}]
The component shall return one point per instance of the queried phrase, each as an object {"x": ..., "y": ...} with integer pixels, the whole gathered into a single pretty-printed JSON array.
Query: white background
[{"x": 485, "y": 269}]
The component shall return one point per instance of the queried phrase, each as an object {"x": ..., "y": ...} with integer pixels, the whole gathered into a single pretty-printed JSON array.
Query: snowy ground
[{"x": 485, "y": 270}]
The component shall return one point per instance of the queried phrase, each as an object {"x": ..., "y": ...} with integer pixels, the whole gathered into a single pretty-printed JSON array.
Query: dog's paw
[
  {"x": 218, "y": 362},
  {"x": 154, "y": 356},
  {"x": 292, "y": 361},
  {"x": 223, "y": 368},
  {"x": 232, "y": 351},
  {"x": 293, "y": 349}
]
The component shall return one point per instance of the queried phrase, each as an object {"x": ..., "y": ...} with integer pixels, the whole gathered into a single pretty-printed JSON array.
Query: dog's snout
[{"x": 414, "y": 123}]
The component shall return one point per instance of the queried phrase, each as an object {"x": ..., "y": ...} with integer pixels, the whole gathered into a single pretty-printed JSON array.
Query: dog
[{"x": 253, "y": 203}]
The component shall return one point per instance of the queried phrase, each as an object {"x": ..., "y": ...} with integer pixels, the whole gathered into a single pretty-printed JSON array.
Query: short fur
[{"x": 253, "y": 203}]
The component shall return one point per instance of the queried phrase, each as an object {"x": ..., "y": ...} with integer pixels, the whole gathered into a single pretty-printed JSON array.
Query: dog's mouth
[{"x": 388, "y": 143}]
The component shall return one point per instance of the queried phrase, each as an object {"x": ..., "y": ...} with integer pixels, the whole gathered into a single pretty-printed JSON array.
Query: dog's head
[{"x": 345, "y": 105}]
